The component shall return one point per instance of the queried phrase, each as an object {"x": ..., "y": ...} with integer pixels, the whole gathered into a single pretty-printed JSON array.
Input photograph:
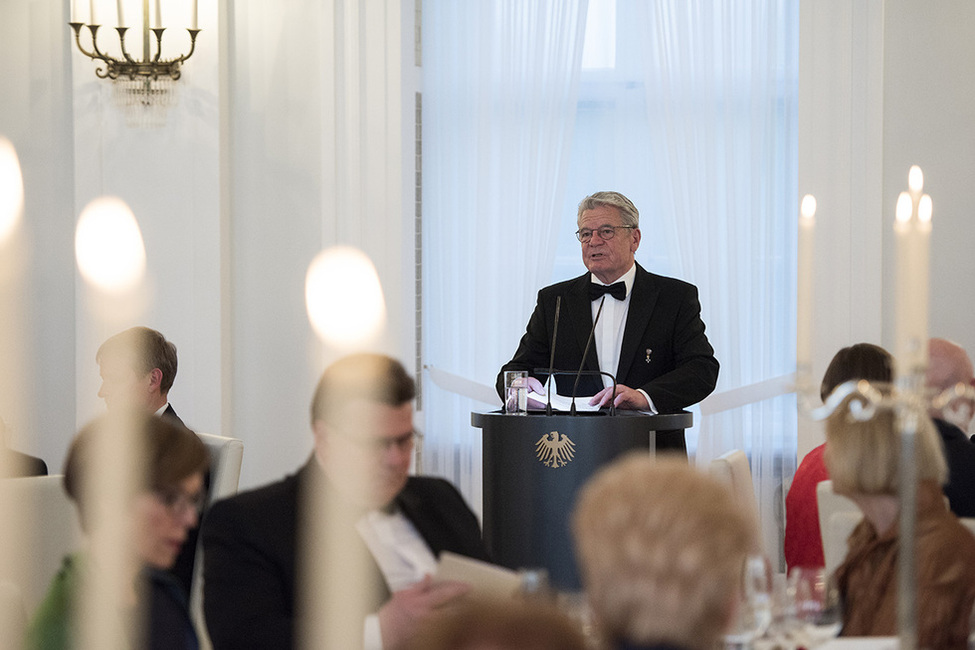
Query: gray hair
[{"x": 628, "y": 212}]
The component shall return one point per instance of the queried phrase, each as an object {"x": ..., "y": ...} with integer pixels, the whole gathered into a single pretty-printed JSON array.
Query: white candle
[
  {"x": 804, "y": 293},
  {"x": 158, "y": 15},
  {"x": 91, "y": 7},
  {"x": 75, "y": 13},
  {"x": 121, "y": 14},
  {"x": 194, "y": 21},
  {"x": 912, "y": 230}
]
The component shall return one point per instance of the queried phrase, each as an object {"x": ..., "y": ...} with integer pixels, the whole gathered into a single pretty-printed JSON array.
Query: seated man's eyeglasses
[{"x": 604, "y": 232}]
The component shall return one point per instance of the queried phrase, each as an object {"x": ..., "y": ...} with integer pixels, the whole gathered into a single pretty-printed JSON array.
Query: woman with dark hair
[
  {"x": 803, "y": 543},
  {"x": 168, "y": 492}
]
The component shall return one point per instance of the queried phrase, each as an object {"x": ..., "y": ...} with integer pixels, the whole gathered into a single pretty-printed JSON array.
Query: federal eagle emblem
[{"x": 555, "y": 450}]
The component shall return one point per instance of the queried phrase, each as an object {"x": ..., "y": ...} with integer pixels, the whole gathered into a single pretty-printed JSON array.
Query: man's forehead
[
  {"x": 602, "y": 214},
  {"x": 367, "y": 417},
  {"x": 117, "y": 362}
]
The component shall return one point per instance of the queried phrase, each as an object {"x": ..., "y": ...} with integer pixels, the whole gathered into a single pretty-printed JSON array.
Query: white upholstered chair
[
  {"x": 732, "y": 469},
  {"x": 838, "y": 516},
  {"x": 55, "y": 533},
  {"x": 226, "y": 455},
  {"x": 13, "y": 618}
]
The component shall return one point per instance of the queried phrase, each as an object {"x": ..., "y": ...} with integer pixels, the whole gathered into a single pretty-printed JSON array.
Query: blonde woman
[{"x": 862, "y": 458}]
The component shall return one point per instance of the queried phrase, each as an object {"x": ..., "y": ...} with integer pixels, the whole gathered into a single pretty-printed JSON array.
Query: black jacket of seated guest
[
  {"x": 960, "y": 454},
  {"x": 249, "y": 554}
]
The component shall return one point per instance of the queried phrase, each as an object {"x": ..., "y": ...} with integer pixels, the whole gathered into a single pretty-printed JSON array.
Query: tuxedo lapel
[{"x": 642, "y": 301}]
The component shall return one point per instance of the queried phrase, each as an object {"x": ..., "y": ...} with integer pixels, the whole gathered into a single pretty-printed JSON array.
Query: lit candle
[
  {"x": 158, "y": 15},
  {"x": 121, "y": 14},
  {"x": 804, "y": 292},
  {"x": 194, "y": 21},
  {"x": 912, "y": 230}
]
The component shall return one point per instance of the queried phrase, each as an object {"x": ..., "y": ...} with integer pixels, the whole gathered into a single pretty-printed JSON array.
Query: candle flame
[
  {"x": 915, "y": 179},
  {"x": 904, "y": 207},
  {"x": 344, "y": 297},
  {"x": 11, "y": 190},
  {"x": 108, "y": 245},
  {"x": 808, "y": 207},
  {"x": 925, "y": 209}
]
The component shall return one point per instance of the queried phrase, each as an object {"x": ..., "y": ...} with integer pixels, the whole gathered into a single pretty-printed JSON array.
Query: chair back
[
  {"x": 56, "y": 532},
  {"x": 838, "y": 516},
  {"x": 732, "y": 469},
  {"x": 226, "y": 455},
  {"x": 13, "y": 618}
]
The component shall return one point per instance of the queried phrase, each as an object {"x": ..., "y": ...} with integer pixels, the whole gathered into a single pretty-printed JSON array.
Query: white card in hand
[{"x": 486, "y": 579}]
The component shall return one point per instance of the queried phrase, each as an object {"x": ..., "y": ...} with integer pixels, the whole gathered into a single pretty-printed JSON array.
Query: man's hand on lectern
[{"x": 626, "y": 398}]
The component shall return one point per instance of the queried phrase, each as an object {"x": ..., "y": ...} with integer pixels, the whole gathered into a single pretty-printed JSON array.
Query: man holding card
[{"x": 362, "y": 418}]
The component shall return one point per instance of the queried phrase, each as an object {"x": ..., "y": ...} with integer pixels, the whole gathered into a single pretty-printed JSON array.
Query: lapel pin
[{"x": 648, "y": 355}]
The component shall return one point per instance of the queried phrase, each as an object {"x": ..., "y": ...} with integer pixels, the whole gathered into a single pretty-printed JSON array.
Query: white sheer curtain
[
  {"x": 499, "y": 103},
  {"x": 721, "y": 87}
]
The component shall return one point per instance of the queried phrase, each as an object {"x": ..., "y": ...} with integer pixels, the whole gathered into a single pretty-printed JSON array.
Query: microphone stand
[{"x": 551, "y": 357}]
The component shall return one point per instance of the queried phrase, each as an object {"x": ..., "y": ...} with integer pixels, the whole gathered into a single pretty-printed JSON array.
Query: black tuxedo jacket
[
  {"x": 960, "y": 454},
  {"x": 664, "y": 350},
  {"x": 249, "y": 545}
]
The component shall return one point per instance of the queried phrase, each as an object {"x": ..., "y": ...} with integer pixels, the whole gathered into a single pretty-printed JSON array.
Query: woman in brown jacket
[{"x": 862, "y": 458}]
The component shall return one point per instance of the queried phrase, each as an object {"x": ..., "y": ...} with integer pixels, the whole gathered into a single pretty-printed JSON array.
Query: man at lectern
[
  {"x": 649, "y": 334},
  {"x": 357, "y": 477}
]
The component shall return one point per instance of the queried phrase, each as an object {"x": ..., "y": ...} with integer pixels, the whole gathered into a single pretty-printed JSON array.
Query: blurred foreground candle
[
  {"x": 16, "y": 559},
  {"x": 347, "y": 310},
  {"x": 344, "y": 297},
  {"x": 912, "y": 231},
  {"x": 11, "y": 190},
  {"x": 111, "y": 258},
  {"x": 804, "y": 290},
  {"x": 108, "y": 246}
]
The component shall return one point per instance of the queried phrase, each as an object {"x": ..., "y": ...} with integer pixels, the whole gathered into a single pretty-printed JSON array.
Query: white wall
[
  {"x": 884, "y": 85},
  {"x": 286, "y": 138},
  {"x": 929, "y": 120}
]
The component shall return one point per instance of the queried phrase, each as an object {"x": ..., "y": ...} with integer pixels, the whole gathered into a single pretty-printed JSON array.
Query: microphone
[
  {"x": 592, "y": 333},
  {"x": 551, "y": 356}
]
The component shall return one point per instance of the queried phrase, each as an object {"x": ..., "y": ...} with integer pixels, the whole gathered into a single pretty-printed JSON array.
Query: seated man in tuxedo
[
  {"x": 949, "y": 366},
  {"x": 255, "y": 571},
  {"x": 649, "y": 334},
  {"x": 137, "y": 367}
]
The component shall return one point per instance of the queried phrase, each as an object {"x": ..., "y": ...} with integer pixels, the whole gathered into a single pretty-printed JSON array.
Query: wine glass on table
[
  {"x": 816, "y": 597},
  {"x": 755, "y": 611}
]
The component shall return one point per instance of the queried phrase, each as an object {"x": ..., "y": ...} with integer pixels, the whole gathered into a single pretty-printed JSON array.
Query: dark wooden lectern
[{"x": 533, "y": 466}]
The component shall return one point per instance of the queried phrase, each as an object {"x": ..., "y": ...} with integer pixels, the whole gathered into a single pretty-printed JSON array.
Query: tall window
[{"x": 689, "y": 108}]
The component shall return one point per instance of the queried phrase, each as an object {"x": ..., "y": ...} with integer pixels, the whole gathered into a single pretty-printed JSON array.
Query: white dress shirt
[
  {"x": 402, "y": 555},
  {"x": 610, "y": 327}
]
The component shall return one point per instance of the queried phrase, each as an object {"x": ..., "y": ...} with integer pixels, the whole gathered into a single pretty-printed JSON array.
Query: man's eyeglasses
[
  {"x": 382, "y": 445},
  {"x": 605, "y": 232},
  {"x": 178, "y": 503}
]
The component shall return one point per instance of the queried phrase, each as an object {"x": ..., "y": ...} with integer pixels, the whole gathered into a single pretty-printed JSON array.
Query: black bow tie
[{"x": 617, "y": 290}]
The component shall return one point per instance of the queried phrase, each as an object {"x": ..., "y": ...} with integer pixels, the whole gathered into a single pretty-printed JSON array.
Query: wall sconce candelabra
[{"x": 146, "y": 82}]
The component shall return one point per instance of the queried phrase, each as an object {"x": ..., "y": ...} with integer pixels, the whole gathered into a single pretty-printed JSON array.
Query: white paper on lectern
[{"x": 563, "y": 403}]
